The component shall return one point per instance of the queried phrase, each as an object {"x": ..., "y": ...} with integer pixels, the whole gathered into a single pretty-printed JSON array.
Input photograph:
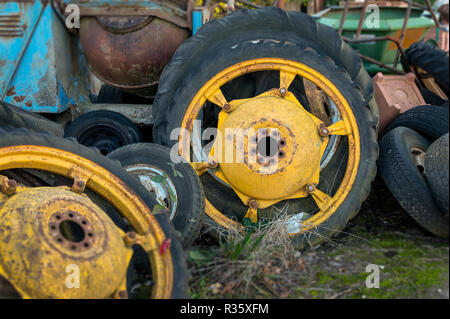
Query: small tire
[
  {"x": 436, "y": 172},
  {"x": 430, "y": 121},
  {"x": 24, "y": 137},
  {"x": 106, "y": 130},
  {"x": 16, "y": 117},
  {"x": 430, "y": 59},
  {"x": 405, "y": 181},
  {"x": 189, "y": 191}
]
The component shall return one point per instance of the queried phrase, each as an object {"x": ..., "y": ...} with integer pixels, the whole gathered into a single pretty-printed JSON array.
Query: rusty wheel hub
[{"x": 50, "y": 232}]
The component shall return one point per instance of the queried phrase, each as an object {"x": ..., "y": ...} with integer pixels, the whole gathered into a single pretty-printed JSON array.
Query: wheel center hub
[
  {"x": 269, "y": 147},
  {"x": 50, "y": 233}
]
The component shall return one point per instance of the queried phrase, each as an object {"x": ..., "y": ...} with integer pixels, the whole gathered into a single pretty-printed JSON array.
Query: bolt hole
[
  {"x": 86, "y": 245},
  {"x": 84, "y": 222},
  {"x": 58, "y": 217},
  {"x": 73, "y": 247},
  {"x": 52, "y": 227},
  {"x": 70, "y": 215},
  {"x": 59, "y": 240},
  {"x": 281, "y": 154},
  {"x": 90, "y": 234}
]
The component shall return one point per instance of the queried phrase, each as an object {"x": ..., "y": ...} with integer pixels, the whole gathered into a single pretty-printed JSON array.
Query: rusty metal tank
[{"x": 130, "y": 52}]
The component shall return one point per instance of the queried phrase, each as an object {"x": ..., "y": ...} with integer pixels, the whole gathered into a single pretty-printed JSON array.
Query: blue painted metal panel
[
  {"x": 38, "y": 73},
  {"x": 197, "y": 20}
]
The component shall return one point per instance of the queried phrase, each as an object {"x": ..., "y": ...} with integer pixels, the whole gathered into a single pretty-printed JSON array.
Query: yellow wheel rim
[
  {"x": 86, "y": 173},
  {"x": 288, "y": 69}
]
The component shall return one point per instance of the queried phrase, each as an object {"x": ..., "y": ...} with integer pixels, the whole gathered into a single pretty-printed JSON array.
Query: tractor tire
[
  {"x": 190, "y": 200},
  {"x": 432, "y": 98},
  {"x": 430, "y": 59},
  {"x": 430, "y": 121},
  {"x": 219, "y": 60},
  {"x": 16, "y": 117},
  {"x": 436, "y": 171},
  {"x": 241, "y": 26},
  {"x": 106, "y": 130},
  {"x": 19, "y": 137},
  {"x": 406, "y": 182}
]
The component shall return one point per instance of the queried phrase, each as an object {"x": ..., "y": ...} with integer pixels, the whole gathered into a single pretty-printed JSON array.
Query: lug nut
[
  {"x": 324, "y": 131},
  {"x": 283, "y": 91},
  {"x": 310, "y": 188},
  {"x": 8, "y": 186},
  {"x": 212, "y": 164},
  {"x": 226, "y": 107},
  {"x": 253, "y": 204}
]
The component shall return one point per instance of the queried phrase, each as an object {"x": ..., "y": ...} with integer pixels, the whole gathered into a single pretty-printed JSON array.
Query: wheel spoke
[
  {"x": 319, "y": 197},
  {"x": 286, "y": 79},
  {"x": 338, "y": 128},
  {"x": 217, "y": 98},
  {"x": 252, "y": 214}
]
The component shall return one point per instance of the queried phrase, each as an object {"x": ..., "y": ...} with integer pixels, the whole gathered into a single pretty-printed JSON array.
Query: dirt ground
[{"x": 412, "y": 263}]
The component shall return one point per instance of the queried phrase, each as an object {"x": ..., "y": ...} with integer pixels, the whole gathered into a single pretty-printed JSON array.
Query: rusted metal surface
[{"x": 132, "y": 60}]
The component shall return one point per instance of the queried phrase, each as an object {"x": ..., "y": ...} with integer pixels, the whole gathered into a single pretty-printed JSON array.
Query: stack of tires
[{"x": 414, "y": 150}]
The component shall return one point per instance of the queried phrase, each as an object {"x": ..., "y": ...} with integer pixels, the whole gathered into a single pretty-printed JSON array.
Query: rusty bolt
[
  {"x": 131, "y": 235},
  {"x": 78, "y": 186},
  {"x": 212, "y": 164},
  {"x": 310, "y": 188},
  {"x": 253, "y": 204},
  {"x": 324, "y": 131},
  {"x": 8, "y": 186},
  {"x": 283, "y": 92},
  {"x": 227, "y": 107}
]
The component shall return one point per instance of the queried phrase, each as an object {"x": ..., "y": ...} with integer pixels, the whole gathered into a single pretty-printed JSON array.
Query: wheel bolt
[
  {"x": 283, "y": 91},
  {"x": 310, "y": 188},
  {"x": 226, "y": 107},
  {"x": 253, "y": 204},
  {"x": 212, "y": 164},
  {"x": 8, "y": 186},
  {"x": 324, "y": 131}
]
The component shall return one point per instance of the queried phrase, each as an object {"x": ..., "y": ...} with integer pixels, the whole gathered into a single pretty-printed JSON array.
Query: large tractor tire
[
  {"x": 436, "y": 171},
  {"x": 175, "y": 185},
  {"x": 88, "y": 213},
  {"x": 401, "y": 166},
  {"x": 242, "y": 26},
  {"x": 336, "y": 153}
]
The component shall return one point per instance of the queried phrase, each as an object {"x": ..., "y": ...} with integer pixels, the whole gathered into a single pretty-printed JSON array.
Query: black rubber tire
[
  {"x": 430, "y": 59},
  {"x": 109, "y": 94},
  {"x": 430, "y": 121},
  {"x": 436, "y": 172},
  {"x": 191, "y": 199},
  {"x": 432, "y": 98},
  {"x": 405, "y": 181},
  {"x": 24, "y": 137},
  {"x": 118, "y": 130},
  {"x": 249, "y": 25},
  {"x": 16, "y": 117},
  {"x": 221, "y": 59}
]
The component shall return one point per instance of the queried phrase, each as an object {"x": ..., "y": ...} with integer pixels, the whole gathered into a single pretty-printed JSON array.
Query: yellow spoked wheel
[
  {"x": 56, "y": 239},
  {"x": 298, "y": 137}
]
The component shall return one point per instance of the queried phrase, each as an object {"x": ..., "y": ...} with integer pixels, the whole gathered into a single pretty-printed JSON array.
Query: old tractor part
[
  {"x": 130, "y": 52},
  {"x": 250, "y": 25},
  {"x": 436, "y": 172},
  {"x": 176, "y": 186},
  {"x": 280, "y": 150},
  {"x": 105, "y": 130},
  {"x": 430, "y": 121},
  {"x": 86, "y": 226},
  {"x": 433, "y": 63},
  {"x": 401, "y": 165}
]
